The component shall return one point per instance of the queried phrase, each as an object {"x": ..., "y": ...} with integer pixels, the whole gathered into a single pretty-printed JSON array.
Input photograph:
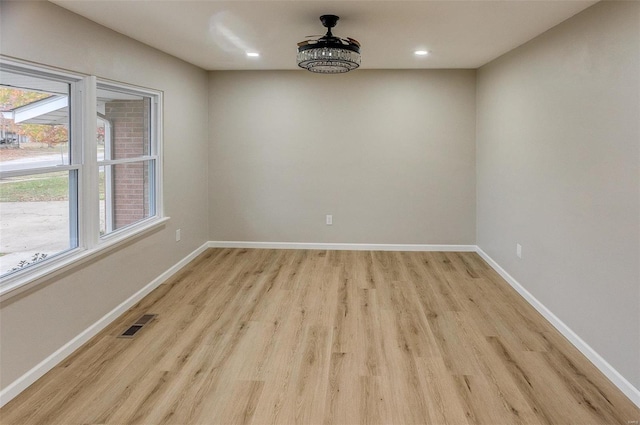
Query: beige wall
[
  {"x": 36, "y": 324},
  {"x": 558, "y": 172},
  {"x": 390, "y": 154}
]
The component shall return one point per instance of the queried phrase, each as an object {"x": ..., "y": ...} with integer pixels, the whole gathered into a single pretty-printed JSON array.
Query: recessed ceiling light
[
  {"x": 421, "y": 52},
  {"x": 253, "y": 54}
]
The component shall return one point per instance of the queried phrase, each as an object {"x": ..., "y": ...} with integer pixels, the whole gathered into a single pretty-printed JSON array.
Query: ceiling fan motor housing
[{"x": 329, "y": 21}]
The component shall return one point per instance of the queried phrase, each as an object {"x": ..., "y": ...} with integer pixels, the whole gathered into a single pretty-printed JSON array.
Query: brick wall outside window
[{"x": 130, "y": 127}]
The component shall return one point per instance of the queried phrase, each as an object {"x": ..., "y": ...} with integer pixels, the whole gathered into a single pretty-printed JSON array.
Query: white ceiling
[{"x": 215, "y": 35}]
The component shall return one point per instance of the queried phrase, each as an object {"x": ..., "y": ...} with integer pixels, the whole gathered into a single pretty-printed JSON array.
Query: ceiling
[{"x": 216, "y": 35}]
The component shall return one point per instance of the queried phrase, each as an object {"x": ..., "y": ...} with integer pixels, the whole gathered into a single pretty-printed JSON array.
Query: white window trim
[
  {"x": 77, "y": 257},
  {"x": 83, "y": 122},
  {"x": 155, "y": 154}
]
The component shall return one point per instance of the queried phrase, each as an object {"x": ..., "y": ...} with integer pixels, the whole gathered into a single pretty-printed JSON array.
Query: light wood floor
[{"x": 328, "y": 337}]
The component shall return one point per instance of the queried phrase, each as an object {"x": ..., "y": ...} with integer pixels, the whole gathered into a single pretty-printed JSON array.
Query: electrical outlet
[
  {"x": 329, "y": 220},
  {"x": 178, "y": 236},
  {"x": 519, "y": 250}
]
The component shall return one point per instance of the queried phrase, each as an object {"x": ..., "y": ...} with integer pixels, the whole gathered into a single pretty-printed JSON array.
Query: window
[
  {"x": 39, "y": 168},
  {"x": 70, "y": 188},
  {"x": 127, "y": 157}
]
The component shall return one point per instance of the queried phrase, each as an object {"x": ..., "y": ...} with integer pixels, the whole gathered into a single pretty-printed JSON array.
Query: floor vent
[{"x": 133, "y": 329}]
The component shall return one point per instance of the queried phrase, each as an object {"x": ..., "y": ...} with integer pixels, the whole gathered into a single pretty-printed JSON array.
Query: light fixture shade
[
  {"x": 329, "y": 54},
  {"x": 328, "y": 60}
]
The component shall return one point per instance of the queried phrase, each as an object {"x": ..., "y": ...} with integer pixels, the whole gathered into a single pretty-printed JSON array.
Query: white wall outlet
[
  {"x": 329, "y": 220},
  {"x": 519, "y": 250},
  {"x": 178, "y": 236}
]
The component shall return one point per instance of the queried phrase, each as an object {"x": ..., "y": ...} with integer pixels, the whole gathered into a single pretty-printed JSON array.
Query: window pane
[
  {"x": 126, "y": 192},
  {"x": 123, "y": 124},
  {"x": 35, "y": 213},
  {"x": 34, "y": 122}
]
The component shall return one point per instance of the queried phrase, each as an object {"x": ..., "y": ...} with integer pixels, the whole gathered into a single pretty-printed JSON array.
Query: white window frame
[
  {"x": 155, "y": 153},
  {"x": 108, "y": 141},
  {"x": 83, "y": 159}
]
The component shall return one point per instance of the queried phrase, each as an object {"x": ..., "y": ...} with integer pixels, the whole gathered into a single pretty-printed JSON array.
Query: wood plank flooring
[{"x": 328, "y": 337}]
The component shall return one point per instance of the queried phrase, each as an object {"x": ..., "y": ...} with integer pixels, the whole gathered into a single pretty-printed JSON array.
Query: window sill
[{"x": 22, "y": 282}]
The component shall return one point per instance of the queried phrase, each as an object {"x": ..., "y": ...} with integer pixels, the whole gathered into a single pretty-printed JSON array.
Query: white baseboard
[
  {"x": 341, "y": 246},
  {"x": 614, "y": 376},
  {"x": 20, "y": 384}
]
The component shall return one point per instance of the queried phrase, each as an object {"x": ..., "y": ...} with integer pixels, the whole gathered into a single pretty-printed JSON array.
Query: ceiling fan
[{"x": 329, "y": 54}]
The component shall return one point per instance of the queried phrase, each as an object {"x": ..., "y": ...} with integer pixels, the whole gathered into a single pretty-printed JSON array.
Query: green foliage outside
[
  {"x": 43, "y": 187},
  {"x": 39, "y": 188}
]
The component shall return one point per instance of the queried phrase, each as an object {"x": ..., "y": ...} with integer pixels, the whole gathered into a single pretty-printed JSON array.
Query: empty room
[{"x": 304, "y": 212}]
